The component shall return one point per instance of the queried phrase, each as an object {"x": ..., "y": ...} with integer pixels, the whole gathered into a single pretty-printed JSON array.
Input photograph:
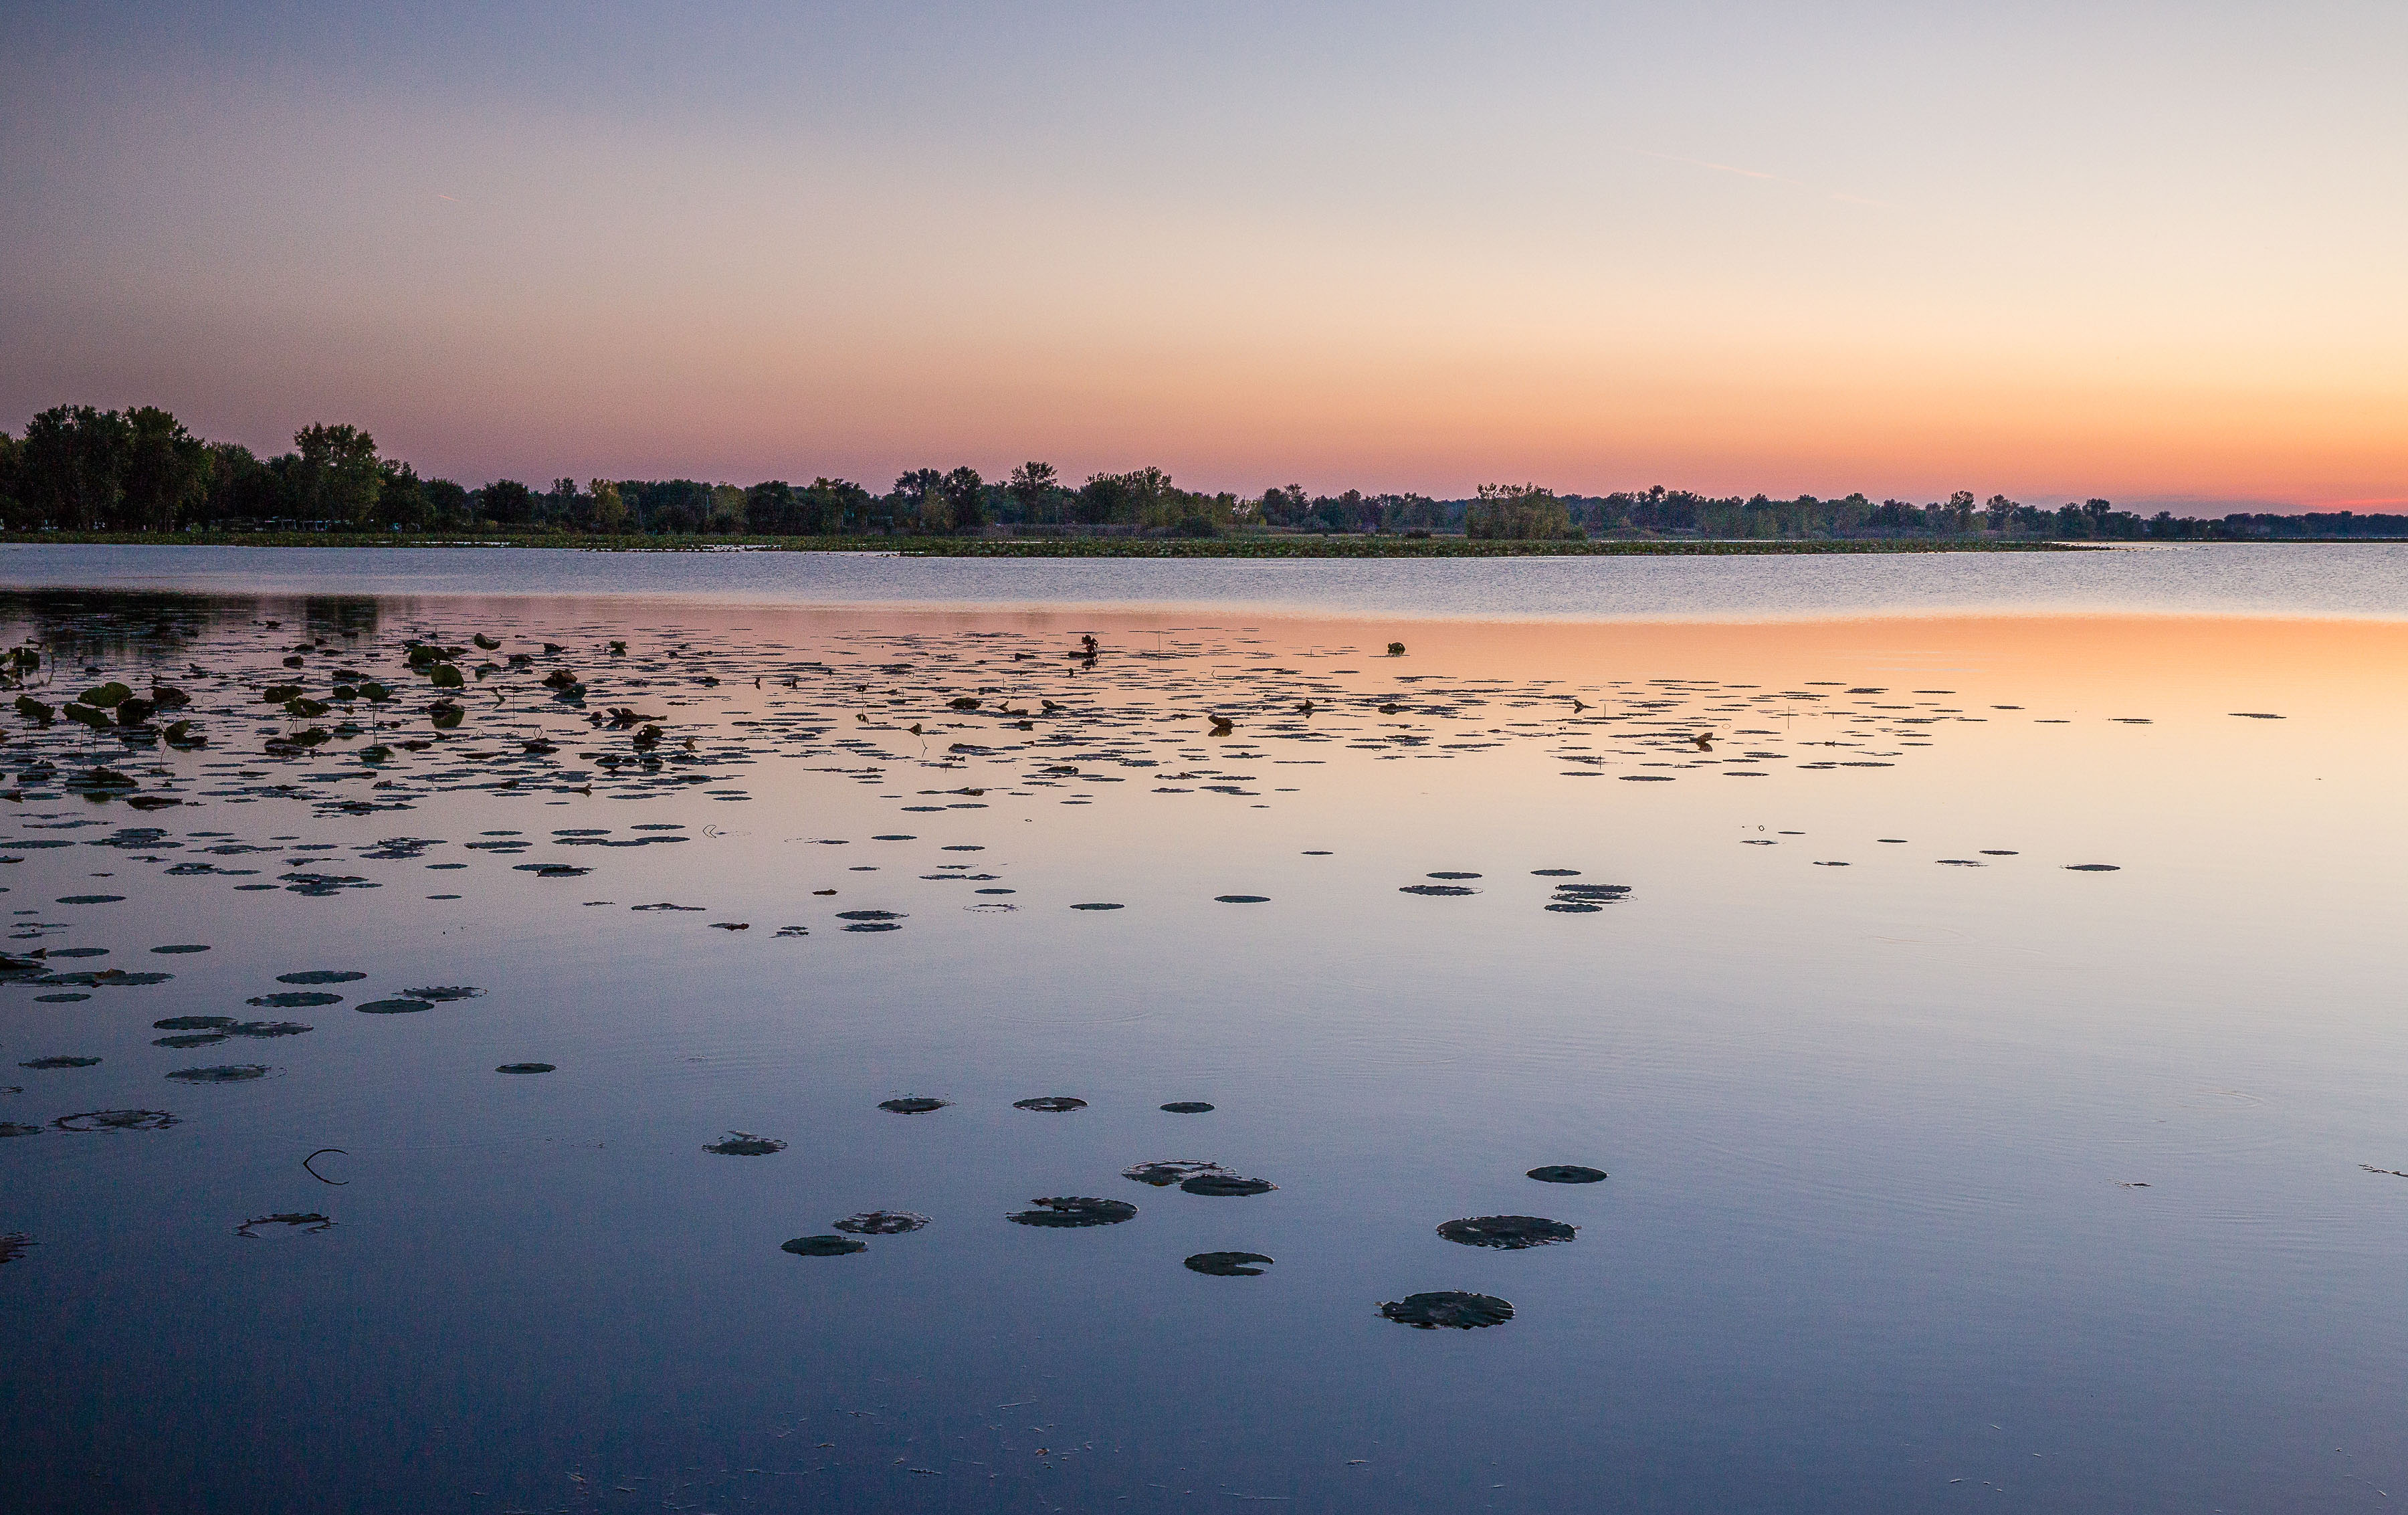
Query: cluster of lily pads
[{"x": 1449, "y": 1308}]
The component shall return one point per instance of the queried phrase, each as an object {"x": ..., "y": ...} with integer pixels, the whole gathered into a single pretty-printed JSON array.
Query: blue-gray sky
[{"x": 2150, "y": 251}]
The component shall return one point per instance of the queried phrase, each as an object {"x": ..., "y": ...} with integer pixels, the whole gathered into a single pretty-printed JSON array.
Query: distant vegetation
[{"x": 83, "y": 470}]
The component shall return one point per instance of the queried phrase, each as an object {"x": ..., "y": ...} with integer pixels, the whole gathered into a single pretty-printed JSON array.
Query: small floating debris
[
  {"x": 223, "y": 1073},
  {"x": 116, "y": 1120},
  {"x": 18, "y": 1128},
  {"x": 1448, "y": 1308},
  {"x": 1227, "y": 1264},
  {"x": 1051, "y": 1104},
  {"x": 745, "y": 1144},
  {"x": 296, "y": 1222},
  {"x": 13, "y": 1246},
  {"x": 46, "y": 1063},
  {"x": 823, "y": 1246},
  {"x": 394, "y": 1006},
  {"x": 1164, "y": 1174},
  {"x": 912, "y": 1105},
  {"x": 527, "y": 1067},
  {"x": 1187, "y": 1107},
  {"x": 1508, "y": 1233},
  {"x": 1226, "y": 1186},
  {"x": 1568, "y": 1173},
  {"x": 1074, "y": 1210},
  {"x": 882, "y": 1223},
  {"x": 2256, "y": 715},
  {"x": 1436, "y": 889}
]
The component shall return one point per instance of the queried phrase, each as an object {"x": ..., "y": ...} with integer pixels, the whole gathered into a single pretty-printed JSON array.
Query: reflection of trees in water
[{"x": 86, "y": 623}]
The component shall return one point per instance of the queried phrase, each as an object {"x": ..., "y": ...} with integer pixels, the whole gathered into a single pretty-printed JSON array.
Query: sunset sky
[{"x": 2148, "y": 252}]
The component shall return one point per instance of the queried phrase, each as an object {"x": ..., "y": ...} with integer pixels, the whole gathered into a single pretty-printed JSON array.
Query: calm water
[{"x": 1948, "y": 1168}]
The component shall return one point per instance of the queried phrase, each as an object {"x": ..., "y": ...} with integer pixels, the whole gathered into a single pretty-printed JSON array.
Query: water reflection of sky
[{"x": 1874, "y": 1130}]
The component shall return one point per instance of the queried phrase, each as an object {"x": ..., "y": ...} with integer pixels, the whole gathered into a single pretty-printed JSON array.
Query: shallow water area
[{"x": 2046, "y": 1149}]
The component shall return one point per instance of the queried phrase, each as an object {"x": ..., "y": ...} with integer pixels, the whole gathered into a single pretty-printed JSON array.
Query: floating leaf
[
  {"x": 912, "y": 1105},
  {"x": 1051, "y": 1104},
  {"x": 1226, "y": 1186},
  {"x": 1567, "y": 1173},
  {"x": 1226, "y": 1264},
  {"x": 224, "y": 1073},
  {"x": 1068, "y": 1211},
  {"x": 745, "y": 1144},
  {"x": 1448, "y": 1308},
  {"x": 1510, "y": 1232},
  {"x": 823, "y": 1246},
  {"x": 1187, "y": 1107},
  {"x": 882, "y": 1223},
  {"x": 527, "y": 1067}
]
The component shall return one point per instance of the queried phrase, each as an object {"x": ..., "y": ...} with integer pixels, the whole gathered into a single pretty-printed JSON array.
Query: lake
[{"x": 1974, "y": 975}]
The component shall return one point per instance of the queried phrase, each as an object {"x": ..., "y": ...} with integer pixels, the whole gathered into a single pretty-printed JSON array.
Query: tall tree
[
  {"x": 335, "y": 476},
  {"x": 1032, "y": 485},
  {"x": 71, "y": 473},
  {"x": 965, "y": 494}
]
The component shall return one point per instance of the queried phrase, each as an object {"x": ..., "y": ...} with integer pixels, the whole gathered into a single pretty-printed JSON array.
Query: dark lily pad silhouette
[
  {"x": 444, "y": 994},
  {"x": 1448, "y": 1308},
  {"x": 1187, "y": 1107},
  {"x": 1436, "y": 889},
  {"x": 913, "y": 1104},
  {"x": 1098, "y": 905},
  {"x": 181, "y": 947},
  {"x": 745, "y": 1144},
  {"x": 90, "y": 899},
  {"x": 1452, "y": 876},
  {"x": 223, "y": 1073},
  {"x": 267, "y": 1028},
  {"x": 1067, "y": 1210},
  {"x": 18, "y": 1128},
  {"x": 882, "y": 1223},
  {"x": 189, "y": 1039},
  {"x": 1226, "y": 1264},
  {"x": 2093, "y": 867},
  {"x": 869, "y": 915},
  {"x": 1567, "y": 1173},
  {"x": 527, "y": 1067},
  {"x": 394, "y": 1006},
  {"x": 295, "y": 1222},
  {"x": 823, "y": 1246},
  {"x": 61, "y": 1063},
  {"x": 295, "y": 1000},
  {"x": 1574, "y": 906},
  {"x": 1510, "y": 1232},
  {"x": 1226, "y": 1185},
  {"x": 116, "y": 1120},
  {"x": 320, "y": 975},
  {"x": 1164, "y": 1174},
  {"x": 1243, "y": 899},
  {"x": 1051, "y": 1104},
  {"x": 1555, "y": 873}
]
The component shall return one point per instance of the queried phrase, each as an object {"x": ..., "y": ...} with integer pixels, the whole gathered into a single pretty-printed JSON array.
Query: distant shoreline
[{"x": 1248, "y": 546}]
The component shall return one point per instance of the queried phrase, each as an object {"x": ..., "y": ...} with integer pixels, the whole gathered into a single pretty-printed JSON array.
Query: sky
[{"x": 2151, "y": 253}]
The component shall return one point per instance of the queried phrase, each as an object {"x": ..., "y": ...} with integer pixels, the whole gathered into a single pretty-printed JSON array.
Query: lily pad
[
  {"x": 527, "y": 1067},
  {"x": 1098, "y": 905},
  {"x": 1068, "y": 1210},
  {"x": 1226, "y": 1185},
  {"x": 1243, "y": 899},
  {"x": 745, "y": 1144},
  {"x": 295, "y": 1000},
  {"x": 43, "y": 1063},
  {"x": 1436, "y": 889},
  {"x": 189, "y": 1039},
  {"x": 1448, "y": 1308},
  {"x": 18, "y": 1128},
  {"x": 1051, "y": 1104},
  {"x": 913, "y": 1104},
  {"x": 294, "y": 1222},
  {"x": 1508, "y": 1233},
  {"x": 882, "y": 1223},
  {"x": 1567, "y": 1173},
  {"x": 823, "y": 1246},
  {"x": 444, "y": 994},
  {"x": 1187, "y": 1107},
  {"x": 223, "y": 1073},
  {"x": 320, "y": 975},
  {"x": 116, "y": 1120},
  {"x": 181, "y": 947},
  {"x": 2093, "y": 867},
  {"x": 394, "y": 1007},
  {"x": 1164, "y": 1174},
  {"x": 1226, "y": 1264}
]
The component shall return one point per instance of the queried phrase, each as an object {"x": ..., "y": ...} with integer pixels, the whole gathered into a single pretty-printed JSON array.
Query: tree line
[{"x": 84, "y": 469}]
